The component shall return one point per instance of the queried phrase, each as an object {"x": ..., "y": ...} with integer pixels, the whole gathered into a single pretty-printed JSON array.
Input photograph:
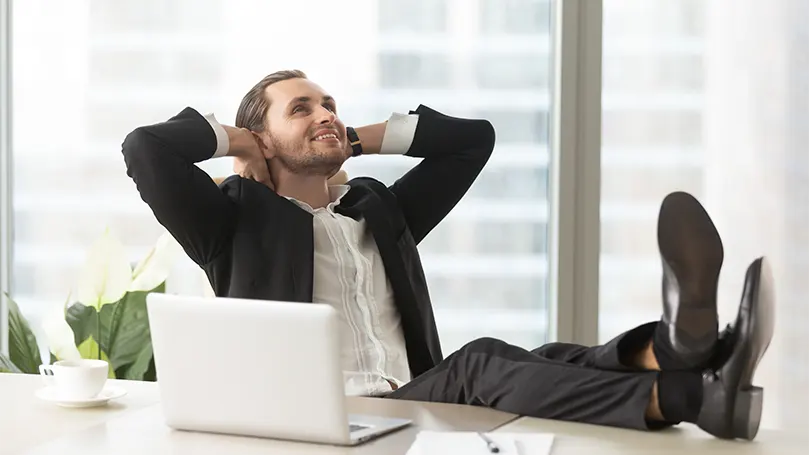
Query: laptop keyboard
[{"x": 353, "y": 427}]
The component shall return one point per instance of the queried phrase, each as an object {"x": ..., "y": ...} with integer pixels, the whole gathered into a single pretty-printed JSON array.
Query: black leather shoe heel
[
  {"x": 729, "y": 417},
  {"x": 747, "y": 413},
  {"x": 731, "y": 404}
]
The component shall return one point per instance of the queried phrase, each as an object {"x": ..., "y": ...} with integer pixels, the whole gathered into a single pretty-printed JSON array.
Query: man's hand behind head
[{"x": 252, "y": 163}]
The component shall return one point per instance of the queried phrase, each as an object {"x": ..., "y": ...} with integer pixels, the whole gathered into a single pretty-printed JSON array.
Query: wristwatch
[{"x": 354, "y": 140}]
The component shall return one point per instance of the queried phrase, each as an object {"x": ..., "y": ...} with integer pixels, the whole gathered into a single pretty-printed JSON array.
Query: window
[
  {"x": 512, "y": 183},
  {"x": 149, "y": 16},
  {"x": 650, "y": 73},
  {"x": 515, "y": 16},
  {"x": 110, "y": 68},
  {"x": 651, "y": 124},
  {"x": 104, "y": 68},
  {"x": 412, "y": 16},
  {"x": 528, "y": 70},
  {"x": 528, "y": 126},
  {"x": 488, "y": 237},
  {"x": 702, "y": 98},
  {"x": 464, "y": 304},
  {"x": 413, "y": 70}
]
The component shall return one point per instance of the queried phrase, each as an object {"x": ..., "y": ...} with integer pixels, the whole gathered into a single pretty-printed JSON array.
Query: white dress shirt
[{"x": 349, "y": 275}]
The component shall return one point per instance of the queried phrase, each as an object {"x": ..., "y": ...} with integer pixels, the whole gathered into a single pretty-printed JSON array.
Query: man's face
[{"x": 304, "y": 133}]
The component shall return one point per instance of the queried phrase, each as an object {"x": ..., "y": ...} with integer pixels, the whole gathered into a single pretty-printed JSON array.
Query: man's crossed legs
[{"x": 678, "y": 369}]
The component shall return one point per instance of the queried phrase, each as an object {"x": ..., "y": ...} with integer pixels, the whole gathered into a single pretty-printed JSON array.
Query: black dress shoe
[
  {"x": 731, "y": 405},
  {"x": 692, "y": 255}
]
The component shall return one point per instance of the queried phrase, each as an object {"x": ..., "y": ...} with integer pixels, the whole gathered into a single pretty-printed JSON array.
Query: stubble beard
[{"x": 306, "y": 159}]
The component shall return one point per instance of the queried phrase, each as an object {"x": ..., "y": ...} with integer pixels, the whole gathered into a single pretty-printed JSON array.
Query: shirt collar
[{"x": 336, "y": 192}]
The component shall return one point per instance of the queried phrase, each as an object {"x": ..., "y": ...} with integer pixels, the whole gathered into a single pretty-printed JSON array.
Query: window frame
[
  {"x": 6, "y": 184},
  {"x": 575, "y": 171}
]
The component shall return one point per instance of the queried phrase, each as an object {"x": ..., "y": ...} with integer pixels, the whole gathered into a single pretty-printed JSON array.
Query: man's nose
[{"x": 326, "y": 116}]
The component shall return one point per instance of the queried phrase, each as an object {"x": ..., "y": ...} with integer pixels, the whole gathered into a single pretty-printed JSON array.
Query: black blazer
[{"x": 253, "y": 243}]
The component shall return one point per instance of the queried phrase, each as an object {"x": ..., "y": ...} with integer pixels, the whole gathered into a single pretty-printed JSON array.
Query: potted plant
[{"x": 107, "y": 321}]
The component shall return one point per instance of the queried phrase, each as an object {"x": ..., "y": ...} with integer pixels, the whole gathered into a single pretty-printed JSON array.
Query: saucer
[{"x": 109, "y": 393}]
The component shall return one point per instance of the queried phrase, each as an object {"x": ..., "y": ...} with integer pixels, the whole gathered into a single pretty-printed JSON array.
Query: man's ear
[{"x": 263, "y": 141}]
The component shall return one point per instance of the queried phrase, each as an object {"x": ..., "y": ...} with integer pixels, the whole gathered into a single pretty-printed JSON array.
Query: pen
[{"x": 489, "y": 443}]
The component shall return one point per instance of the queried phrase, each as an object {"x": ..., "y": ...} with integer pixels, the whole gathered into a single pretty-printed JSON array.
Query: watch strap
[{"x": 354, "y": 140}]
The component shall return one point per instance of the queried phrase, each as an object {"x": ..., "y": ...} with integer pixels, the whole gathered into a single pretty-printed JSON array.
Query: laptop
[{"x": 254, "y": 368}]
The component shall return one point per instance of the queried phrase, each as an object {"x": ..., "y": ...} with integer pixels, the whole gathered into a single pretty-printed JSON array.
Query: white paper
[{"x": 470, "y": 443}]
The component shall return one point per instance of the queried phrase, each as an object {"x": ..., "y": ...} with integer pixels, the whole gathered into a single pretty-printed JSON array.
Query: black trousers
[{"x": 556, "y": 381}]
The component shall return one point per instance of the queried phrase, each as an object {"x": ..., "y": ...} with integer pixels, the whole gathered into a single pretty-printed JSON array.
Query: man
[{"x": 279, "y": 231}]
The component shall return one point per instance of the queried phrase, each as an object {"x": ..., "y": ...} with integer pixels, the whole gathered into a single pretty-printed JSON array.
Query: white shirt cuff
[
  {"x": 222, "y": 142},
  {"x": 399, "y": 133}
]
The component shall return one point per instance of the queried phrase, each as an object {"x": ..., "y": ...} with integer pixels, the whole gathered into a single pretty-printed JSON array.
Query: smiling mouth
[{"x": 325, "y": 137}]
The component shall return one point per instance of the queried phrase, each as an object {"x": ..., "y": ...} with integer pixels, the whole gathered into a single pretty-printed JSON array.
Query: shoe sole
[
  {"x": 749, "y": 399},
  {"x": 691, "y": 247}
]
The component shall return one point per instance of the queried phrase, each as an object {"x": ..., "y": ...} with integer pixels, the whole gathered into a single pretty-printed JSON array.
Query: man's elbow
[
  {"x": 488, "y": 135},
  {"x": 484, "y": 138},
  {"x": 136, "y": 148},
  {"x": 134, "y": 141}
]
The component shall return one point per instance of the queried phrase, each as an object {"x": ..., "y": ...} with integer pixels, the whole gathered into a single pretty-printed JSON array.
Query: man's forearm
[
  {"x": 240, "y": 141},
  {"x": 232, "y": 141},
  {"x": 371, "y": 137},
  {"x": 392, "y": 137}
]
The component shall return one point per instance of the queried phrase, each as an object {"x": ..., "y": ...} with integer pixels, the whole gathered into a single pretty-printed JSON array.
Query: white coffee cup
[{"x": 76, "y": 379}]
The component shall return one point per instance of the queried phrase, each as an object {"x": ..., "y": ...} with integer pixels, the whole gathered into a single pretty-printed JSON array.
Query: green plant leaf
[
  {"x": 138, "y": 369},
  {"x": 126, "y": 335},
  {"x": 106, "y": 274},
  {"x": 155, "y": 267},
  {"x": 6, "y": 366},
  {"x": 83, "y": 321},
  {"x": 89, "y": 349},
  {"x": 151, "y": 372},
  {"x": 22, "y": 343}
]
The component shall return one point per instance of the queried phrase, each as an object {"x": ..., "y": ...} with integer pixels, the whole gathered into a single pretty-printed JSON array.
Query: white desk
[
  {"x": 26, "y": 421},
  {"x": 134, "y": 425},
  {"x": 576, "y": 438}
]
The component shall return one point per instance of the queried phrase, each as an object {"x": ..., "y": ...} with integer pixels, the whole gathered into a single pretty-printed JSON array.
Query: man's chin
[
  {"x": 324, "y": 168},
  {"x": 328, "y": 143},
  {"x": 317, "y": 163}
]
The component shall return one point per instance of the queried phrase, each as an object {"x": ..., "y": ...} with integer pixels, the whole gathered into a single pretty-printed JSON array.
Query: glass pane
[
  {"x": 515, "y": 16},
  {"x": 414, "y": 70},
  {"x": 90, "y": 71},
  {"x": 714, "y": 101},
  {"x": 413, "y": 16}
]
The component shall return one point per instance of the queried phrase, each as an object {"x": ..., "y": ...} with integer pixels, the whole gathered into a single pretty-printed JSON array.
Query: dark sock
[
  {"x": 633, "y": 342},
  {"x": 679, "y": 395},
  {"x": 667, "y": 358}
]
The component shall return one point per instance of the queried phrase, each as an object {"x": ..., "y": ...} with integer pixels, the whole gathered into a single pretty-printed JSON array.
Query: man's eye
[
  {"x": 298, "y": 109},
  {"x": 330, "y": 108}
]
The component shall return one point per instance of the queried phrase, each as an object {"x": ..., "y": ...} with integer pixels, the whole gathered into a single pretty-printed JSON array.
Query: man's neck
[{"x": 311, "y": 189}]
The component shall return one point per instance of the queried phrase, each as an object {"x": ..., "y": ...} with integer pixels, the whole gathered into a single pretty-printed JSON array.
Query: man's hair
[{"x": 253, "y": 108}]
